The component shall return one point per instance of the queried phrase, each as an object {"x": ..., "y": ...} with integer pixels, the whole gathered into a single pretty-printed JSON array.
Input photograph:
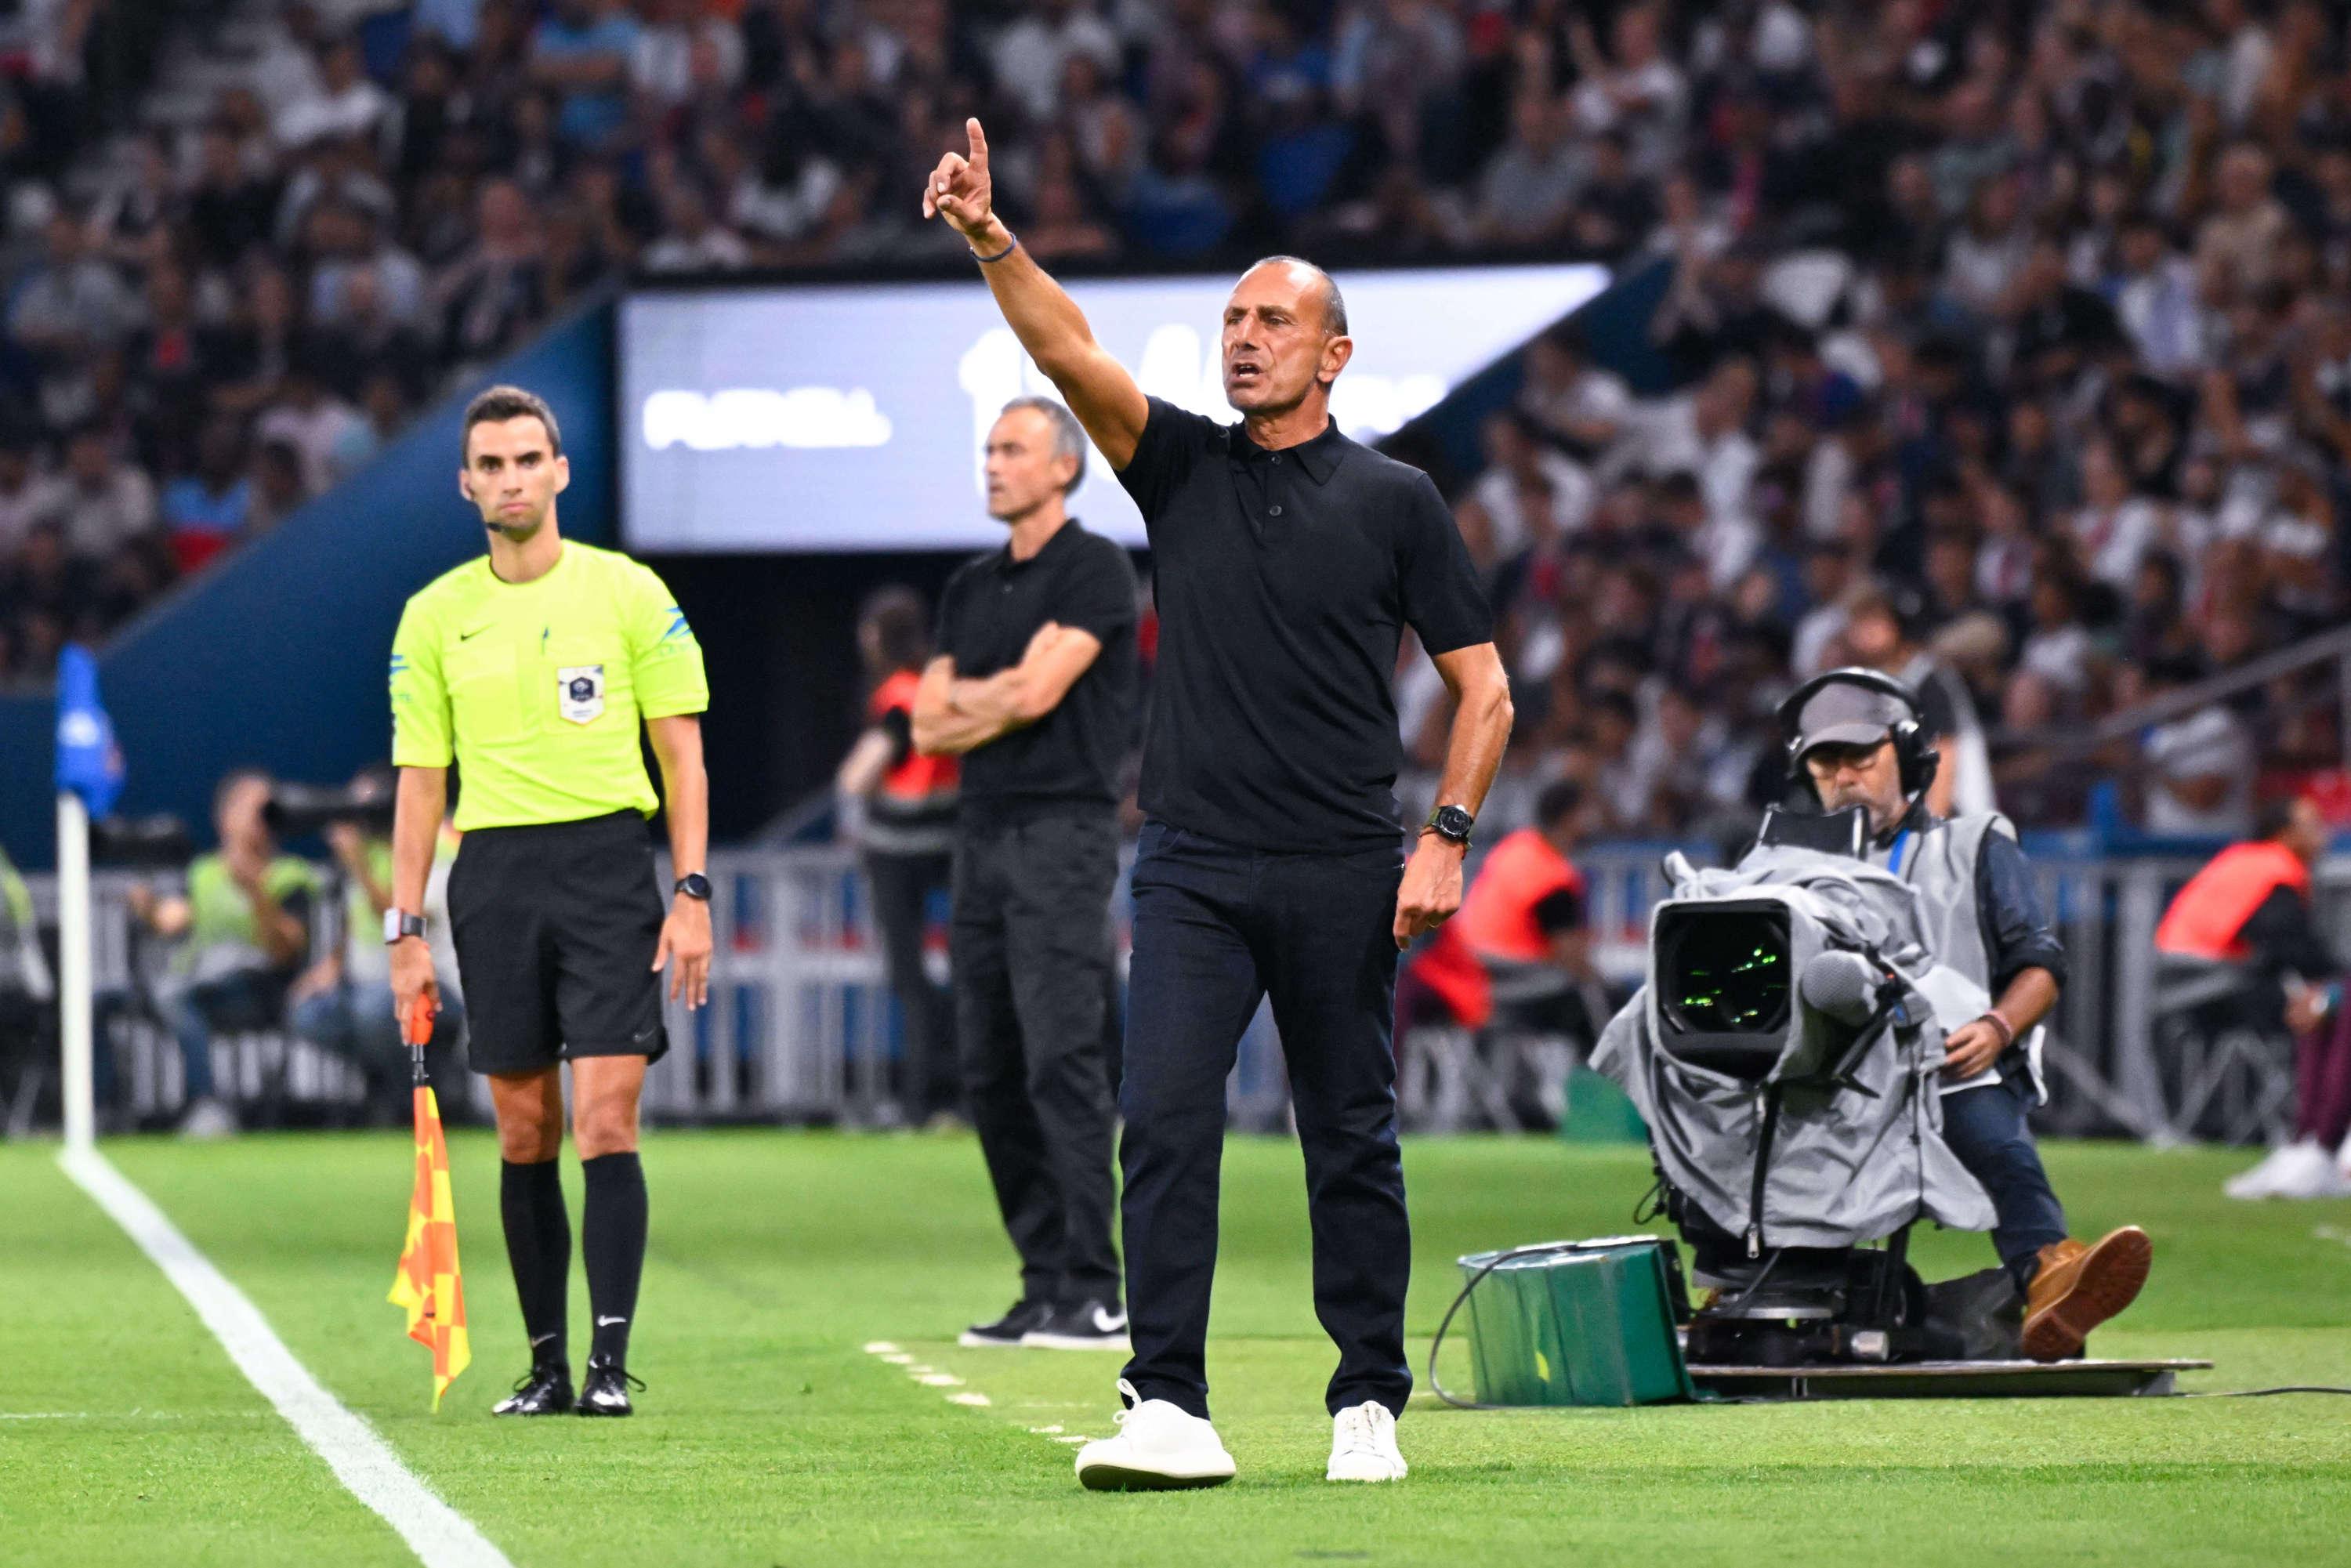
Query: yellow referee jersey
[{"x": 537, "y": 688}]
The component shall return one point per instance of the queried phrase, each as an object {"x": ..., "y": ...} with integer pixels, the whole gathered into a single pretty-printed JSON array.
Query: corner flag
[
  {"x": 428, "y": 1284},
  {"x": 88, "y": 762}
]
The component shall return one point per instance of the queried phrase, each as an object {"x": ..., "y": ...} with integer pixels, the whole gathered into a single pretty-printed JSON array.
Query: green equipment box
[{"x": 1575, "y": 1322}]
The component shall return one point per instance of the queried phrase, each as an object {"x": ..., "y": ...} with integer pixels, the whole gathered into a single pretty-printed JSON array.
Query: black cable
[
  {"x": 2260, "y": 1393},
  {"x": 1446, "y": 1323}
]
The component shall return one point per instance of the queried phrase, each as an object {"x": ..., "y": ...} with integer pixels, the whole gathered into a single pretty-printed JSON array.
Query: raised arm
[{"x": 1039, "y": 310}]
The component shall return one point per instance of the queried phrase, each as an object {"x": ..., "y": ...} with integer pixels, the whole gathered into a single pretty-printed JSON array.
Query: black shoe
[
  {"x": 1089, "y": 1325},
  {"x": 543, "y": 1391},
  {"x": 606, "y": 1392},
  {"x": 1005, "y": 1333}
]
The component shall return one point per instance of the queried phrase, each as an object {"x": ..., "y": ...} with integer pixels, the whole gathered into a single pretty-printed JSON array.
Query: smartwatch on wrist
[
  {"x": 1451, "y": 823},
  {"x": 694, "y": 885},
  {"x": 398, "y": 923}
]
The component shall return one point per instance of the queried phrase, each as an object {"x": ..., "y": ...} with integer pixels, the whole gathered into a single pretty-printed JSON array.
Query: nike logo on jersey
[
  {"x": 467, "y": 636},
  {"x": 1109, "y": 1322}
]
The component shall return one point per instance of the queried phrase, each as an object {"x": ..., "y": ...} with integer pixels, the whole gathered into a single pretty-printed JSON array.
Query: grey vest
[{"x": 1940, "y": 862}]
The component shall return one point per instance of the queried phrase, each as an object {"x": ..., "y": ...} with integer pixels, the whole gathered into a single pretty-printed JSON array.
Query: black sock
[
  {"x": 538, "y": 1245},
  {"x": 612, "y": 1235}
]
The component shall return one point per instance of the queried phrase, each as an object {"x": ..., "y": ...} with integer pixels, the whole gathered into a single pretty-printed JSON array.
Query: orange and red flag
[{"x": 428, "y": 1284}]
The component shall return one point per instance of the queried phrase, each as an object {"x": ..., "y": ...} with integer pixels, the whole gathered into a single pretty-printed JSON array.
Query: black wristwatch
[
  {"x": 1451, "y": 823},
  {"x": 398, "y": 923},
  {"x": 694, "y": 885}
]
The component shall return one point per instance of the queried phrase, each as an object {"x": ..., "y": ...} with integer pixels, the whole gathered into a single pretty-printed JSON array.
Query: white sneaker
[
  {"x": 2261, "y": 1181},
  {"x": 208, "y": 1119},
  {"x": 2309, "y": 1173},
  {"x": 1159, "y": 1448},
  {"x": 1364, "y": 1444},
  {"x": 2343, "y": 1159}
]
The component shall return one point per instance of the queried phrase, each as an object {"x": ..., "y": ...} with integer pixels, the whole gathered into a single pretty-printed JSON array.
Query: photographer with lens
[
  {"x": 343, "y": 1002},
  {"x": 242, "y": 929},
  {"x": 1859, "y": 739}
]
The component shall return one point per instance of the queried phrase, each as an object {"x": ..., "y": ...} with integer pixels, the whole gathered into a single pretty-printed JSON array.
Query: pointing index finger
[{"x": 978, "y": 141}]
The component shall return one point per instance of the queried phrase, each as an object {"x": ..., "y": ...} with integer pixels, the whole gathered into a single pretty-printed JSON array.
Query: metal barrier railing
[{"x": 801, "y": 1025}]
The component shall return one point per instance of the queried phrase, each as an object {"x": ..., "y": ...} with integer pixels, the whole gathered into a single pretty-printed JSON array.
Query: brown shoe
[{"x": 2077, "y": 1287}]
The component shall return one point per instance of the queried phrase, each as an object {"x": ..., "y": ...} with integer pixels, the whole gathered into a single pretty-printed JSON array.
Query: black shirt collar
[
  {"x": 1319, "y": 458},
  {"x": 1005, "y": 563}
]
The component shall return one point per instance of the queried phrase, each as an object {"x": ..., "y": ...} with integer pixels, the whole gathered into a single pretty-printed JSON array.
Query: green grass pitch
[{"x": 770, "y": 1436}]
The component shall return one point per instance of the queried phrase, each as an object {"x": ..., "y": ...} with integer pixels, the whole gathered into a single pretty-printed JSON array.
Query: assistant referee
[
  {"x": 530, "y": 667},
  {"x": 1287, "y": 561}
]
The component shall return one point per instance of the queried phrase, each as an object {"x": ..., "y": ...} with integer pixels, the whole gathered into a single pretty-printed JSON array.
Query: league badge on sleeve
[{"x": 580, "y": 692}]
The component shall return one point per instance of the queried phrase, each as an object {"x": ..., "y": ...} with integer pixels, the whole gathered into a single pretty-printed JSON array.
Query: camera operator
[
  {"x": 1861, "y": 738},
  {"x": 343, "y": 1002},
  {"x": 243, "y": 927}
]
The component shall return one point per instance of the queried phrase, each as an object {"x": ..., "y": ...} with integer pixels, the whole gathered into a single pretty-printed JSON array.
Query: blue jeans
[
  {"x": 1219, "y": 927},
  {"x": 357, "y": 1023},
  {"x": 1987, "y": 1129},
  {"x": 244, "y": 999}
]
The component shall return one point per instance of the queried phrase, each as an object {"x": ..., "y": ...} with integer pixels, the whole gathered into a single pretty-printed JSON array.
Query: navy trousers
[
  {"x": 1986, "y": 1128},
  {"x": 1219, "y": 927}
]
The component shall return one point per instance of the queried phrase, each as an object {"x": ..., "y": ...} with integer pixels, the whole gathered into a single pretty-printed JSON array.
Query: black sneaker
[
  {"x": 1089, "y": 1325},
  {"x": 606, "y": 1392},
  {"x": 543, "y": 1391},
  {"x": 1005, "y": 1333}
]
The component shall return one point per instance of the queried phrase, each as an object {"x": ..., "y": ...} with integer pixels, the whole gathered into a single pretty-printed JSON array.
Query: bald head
[
  {"x": 1309, "y": 275},
  {"x": 1285, "y": 337}
]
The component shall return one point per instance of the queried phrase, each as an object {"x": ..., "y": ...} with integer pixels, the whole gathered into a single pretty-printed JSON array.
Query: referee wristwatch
[
  {"x": 1451, "y": 823},
  {"x": 398, "y": 923},
  {"x": 694, "y": 885}
]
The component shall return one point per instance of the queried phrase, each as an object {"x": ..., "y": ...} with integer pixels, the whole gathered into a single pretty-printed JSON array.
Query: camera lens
[{"x": 1727, "y": 973}]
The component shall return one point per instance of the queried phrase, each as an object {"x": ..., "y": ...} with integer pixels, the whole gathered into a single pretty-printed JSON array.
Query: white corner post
[{"x": 74, "y": 1018}]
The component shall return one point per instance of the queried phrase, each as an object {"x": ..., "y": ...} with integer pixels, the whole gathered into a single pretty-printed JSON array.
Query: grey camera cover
[{"x": 1850, "y": 1161}]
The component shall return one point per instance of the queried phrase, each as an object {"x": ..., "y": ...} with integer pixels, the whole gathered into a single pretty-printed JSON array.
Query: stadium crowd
[{"x": 2007, "y": 340}]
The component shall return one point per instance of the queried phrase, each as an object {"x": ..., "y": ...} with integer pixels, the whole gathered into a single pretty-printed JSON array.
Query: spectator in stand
[
  {"x": 308, "y": 417},
  {"x": 1876, "y": 636},
  {"x": 105, "y": 506},
  {"x": 582, "y": 48},
  {"x": 1573, "y": 403},
  {"x": 343, "y": 102},
  {"x": 2199, "y": 765},
  {"x": 22, "y": 492},
  {"x": 205, "y": 509}
]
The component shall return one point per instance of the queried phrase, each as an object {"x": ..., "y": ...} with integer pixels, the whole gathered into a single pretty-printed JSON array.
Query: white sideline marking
[
  {"x": 969, "y": 1397},
  {"x": 439, "y": 1535},
  {"x": 940, "y": 1380}
]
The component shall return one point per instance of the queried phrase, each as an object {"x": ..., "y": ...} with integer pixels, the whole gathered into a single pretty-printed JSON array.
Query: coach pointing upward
[{"x": 1287, "y": 559}]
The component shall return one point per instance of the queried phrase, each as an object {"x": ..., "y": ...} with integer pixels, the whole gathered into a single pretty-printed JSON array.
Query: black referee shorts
[{"x": 556, "y": 927}]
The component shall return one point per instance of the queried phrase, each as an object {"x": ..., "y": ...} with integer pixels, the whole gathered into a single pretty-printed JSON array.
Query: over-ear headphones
[{"x": 1914, "y": 750}]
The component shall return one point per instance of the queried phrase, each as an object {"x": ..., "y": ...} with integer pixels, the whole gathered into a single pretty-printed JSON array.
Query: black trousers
[
  {"x": 1217, "y": 928},
  {"x": 900, "y": 886},
  {"x": 1036, "y": 1013}
]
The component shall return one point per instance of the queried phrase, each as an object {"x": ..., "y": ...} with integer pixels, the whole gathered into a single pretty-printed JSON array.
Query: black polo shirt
[
  {"x": 1284, "y": 581},
  {"x": 990, "y": 608}
]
